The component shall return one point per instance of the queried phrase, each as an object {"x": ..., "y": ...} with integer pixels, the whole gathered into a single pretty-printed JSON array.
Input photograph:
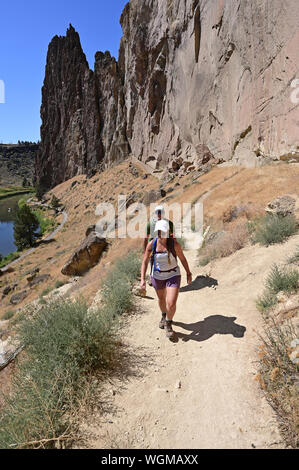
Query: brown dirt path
[{"x": 198, "y": 393}]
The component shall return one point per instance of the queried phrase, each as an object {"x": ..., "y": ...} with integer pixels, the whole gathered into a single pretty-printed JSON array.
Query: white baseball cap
[
  {"x": 162, "y": 225},
  {"x": 159, "y": 208}
]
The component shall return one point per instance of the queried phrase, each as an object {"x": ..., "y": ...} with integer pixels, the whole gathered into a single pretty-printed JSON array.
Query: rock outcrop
[
  {"x": 86, "y": 255},
  {"x": 196, "y": 83}
]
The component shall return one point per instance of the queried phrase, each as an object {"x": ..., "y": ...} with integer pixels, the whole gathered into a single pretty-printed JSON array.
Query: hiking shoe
[
  {"x": 169, "y": 331},
  {"x": 162, "y": 321}
]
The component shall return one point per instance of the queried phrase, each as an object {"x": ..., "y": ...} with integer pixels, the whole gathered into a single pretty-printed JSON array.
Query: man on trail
[{"x": 159, "y": 214}]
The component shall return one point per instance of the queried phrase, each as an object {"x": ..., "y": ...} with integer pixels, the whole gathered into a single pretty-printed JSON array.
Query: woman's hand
[
  {"x": 189, "y": 278},
  {"x": 142, "y": 285}
]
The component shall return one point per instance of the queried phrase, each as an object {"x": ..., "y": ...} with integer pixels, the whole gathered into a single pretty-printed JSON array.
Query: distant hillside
[{"x": 16, "y": 162}]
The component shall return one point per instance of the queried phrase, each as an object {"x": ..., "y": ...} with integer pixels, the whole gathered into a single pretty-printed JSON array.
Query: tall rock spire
[{"x": 70, "y": 128}]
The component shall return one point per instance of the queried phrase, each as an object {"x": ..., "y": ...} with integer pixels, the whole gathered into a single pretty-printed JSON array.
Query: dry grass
[
  {"x": 278, "y": 377},
  {"x": 225, "y": 244}
]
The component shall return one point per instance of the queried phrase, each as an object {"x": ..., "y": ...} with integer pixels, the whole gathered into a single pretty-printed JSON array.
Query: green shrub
[
  {"x": 117, "y": 295},
  {"x": 129, "y": 266},
  {"x": 64, "y": 346},
  {"x": 272, "y": 229},
  {"x": 45, "y": 224},
  {"x": 59, "y": 284},
  {"x": 55, "y": 202},
  {"x": 8, "y": 315},
  {"x": 279, "y": 279},
  {"x": 266, "y": 301},
  {"x": 9, "y": 258},
  {"x": 282, "y": 280},
  {"x": 22, "y": 201},
  {"x": 46, "y": 291}
]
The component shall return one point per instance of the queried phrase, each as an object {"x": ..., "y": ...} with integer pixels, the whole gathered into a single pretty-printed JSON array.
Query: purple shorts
[{"x": 174, "y": 281}]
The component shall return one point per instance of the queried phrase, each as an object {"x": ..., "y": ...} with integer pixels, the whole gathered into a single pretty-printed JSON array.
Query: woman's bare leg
[
  {"x": 172, "y": 294},
  {"x": 161, "y": 294}
]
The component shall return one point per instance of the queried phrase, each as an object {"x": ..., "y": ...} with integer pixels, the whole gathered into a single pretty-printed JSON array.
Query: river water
[{"x": 8, "y": 209}]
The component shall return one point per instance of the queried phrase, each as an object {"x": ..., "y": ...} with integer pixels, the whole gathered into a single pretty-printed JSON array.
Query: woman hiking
[{"x": 165, "y": 273}]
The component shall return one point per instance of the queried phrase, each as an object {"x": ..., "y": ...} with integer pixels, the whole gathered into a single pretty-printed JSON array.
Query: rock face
[
  {"x": 214, "y": 73},
  {"x": 196, "y": 83}
]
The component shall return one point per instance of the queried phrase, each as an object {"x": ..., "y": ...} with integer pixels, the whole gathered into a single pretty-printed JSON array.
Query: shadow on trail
[
  {"x": 199, "y": 283},
  {"x": 215, "y": 324}
]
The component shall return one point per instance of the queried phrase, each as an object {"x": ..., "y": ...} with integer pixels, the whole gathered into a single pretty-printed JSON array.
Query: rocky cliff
[{"x": 196, "y": 82}]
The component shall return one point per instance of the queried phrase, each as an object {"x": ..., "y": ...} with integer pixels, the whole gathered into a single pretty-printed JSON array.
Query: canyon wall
[{"x": 197, "y": 82}]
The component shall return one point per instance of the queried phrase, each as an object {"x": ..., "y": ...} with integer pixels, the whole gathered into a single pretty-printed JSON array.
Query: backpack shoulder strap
[
  {"x": 172, "y": 249},
  {"x": 154, "y": 248}
]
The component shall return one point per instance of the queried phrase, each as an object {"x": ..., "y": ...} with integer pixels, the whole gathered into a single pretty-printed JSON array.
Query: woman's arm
[
  {"x": 183, "y": 260},
  {"x": 145, "y": 261}
]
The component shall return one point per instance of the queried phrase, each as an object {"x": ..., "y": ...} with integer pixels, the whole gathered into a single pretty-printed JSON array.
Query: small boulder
[
  {"x": 6, "y": 291},
  {"x": 17, "y": 298},
  {"x": 32, "y": 275},
  {"x": 133, "y": 170},
  {"x": 281, "y": 206},
  {"x": 153, "y": 196},
  {"x": 39, "y": 279}
]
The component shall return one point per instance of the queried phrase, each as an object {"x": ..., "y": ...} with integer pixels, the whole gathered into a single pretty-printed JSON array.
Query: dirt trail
[{"x": 198, "y": 393}]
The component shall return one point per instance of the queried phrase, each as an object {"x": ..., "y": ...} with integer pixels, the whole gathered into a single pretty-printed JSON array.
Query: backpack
[{"x": 172, "y": 250}]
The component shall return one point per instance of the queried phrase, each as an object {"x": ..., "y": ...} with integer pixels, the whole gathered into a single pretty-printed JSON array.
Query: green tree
[
  {"x": 40, "y": 191},
  {"x": 25, "y": 226},
  {"x": 55, "y": 203}
]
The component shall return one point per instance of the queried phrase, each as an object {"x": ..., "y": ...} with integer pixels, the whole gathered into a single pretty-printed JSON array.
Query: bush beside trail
[
  {"x": 272, "y": 229},
  {"x": 278, "y": 364},
  {"x": 66, "y": 345}
]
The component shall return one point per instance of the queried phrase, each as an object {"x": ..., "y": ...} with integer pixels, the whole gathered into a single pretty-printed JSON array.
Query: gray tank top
[{"x": 169, "y": 269}]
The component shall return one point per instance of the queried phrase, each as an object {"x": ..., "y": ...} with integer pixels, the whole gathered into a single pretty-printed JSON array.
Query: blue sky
[{"x": 26, "y": 28}]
